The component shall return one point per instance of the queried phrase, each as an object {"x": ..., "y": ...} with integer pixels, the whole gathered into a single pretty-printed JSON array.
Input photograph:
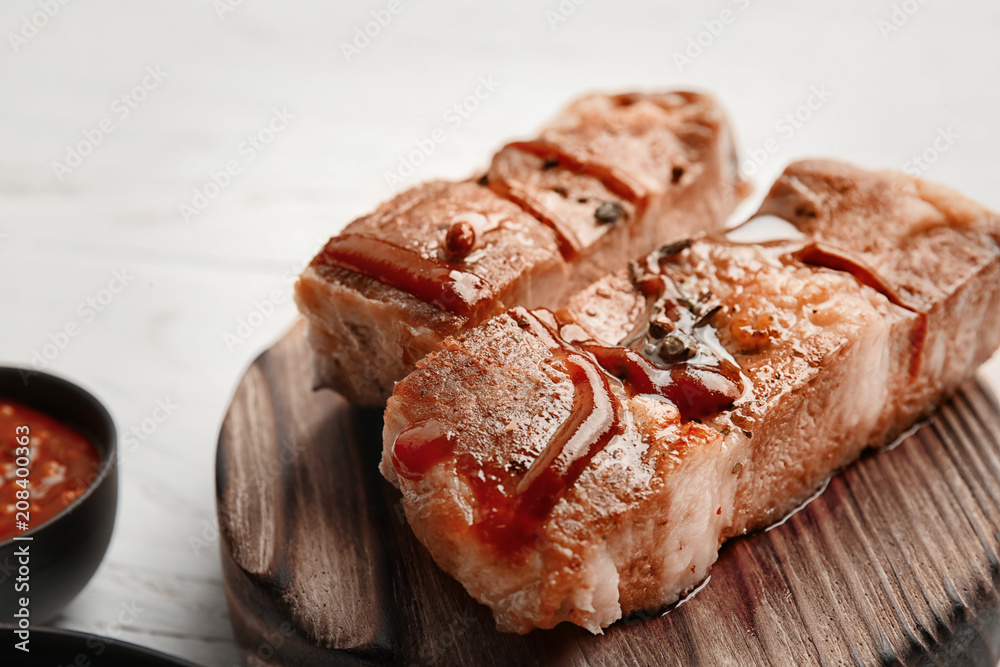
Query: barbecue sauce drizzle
[
  {"x": 460, "y": 291},
  {"x": 447, "y": 287},
  {"x": 553, "y": 152},
  {"x": 569, "y": 242},
  {"x": 677, "y": 356},
  {"x": 510, "y": 520}
]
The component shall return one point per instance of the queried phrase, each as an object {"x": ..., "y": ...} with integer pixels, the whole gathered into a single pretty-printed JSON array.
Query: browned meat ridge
[
  {"x": 584, "y": 465},
  {"x": 610, "y": 179}
]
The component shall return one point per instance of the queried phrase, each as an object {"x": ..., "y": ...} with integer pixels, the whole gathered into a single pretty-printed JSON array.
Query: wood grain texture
[{"x": 895, "y": 562}]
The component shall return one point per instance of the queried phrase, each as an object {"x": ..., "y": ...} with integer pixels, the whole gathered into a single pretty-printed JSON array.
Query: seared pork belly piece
[
  {"x": 585, "y": 464},
  {"x": 610, "y": 179}
]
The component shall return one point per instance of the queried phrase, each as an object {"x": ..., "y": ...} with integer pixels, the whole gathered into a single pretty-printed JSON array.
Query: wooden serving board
[{"x": 896, "y": 561}]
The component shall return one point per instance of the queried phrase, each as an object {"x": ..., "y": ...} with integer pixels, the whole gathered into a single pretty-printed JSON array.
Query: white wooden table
[{"x": 116, "y": 115}]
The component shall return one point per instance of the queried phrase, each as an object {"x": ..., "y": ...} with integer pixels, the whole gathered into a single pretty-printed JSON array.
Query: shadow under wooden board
[{"x": 896, "y": 561}]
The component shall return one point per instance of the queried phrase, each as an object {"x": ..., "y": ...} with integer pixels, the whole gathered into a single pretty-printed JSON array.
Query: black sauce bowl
[{"x": 64, "y": 551}]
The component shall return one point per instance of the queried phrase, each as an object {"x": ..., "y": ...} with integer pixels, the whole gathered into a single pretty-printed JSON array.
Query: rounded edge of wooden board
[{"x": 919, "y": 599}]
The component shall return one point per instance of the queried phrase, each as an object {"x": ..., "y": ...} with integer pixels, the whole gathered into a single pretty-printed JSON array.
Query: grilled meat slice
[
  {"x": 582, "y": 465},
  {"x": 609, "y": 179}
]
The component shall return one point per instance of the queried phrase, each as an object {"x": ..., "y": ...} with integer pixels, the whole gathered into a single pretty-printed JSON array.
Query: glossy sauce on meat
[
  {"x": 442, "y": 284},
  {"x": 552, "y": 152},
  {"x": 697, "y": 391},
  {"x": 421, "y": 448},
  {"x": 510, "y": 521},
  {"x": 457, "y": 291},
  {"x": 677, "y": 356},
  {"x": 510, "y": 509}
]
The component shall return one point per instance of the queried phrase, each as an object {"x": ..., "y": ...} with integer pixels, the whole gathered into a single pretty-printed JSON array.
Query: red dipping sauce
[{"x": 44, "y": 467}]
